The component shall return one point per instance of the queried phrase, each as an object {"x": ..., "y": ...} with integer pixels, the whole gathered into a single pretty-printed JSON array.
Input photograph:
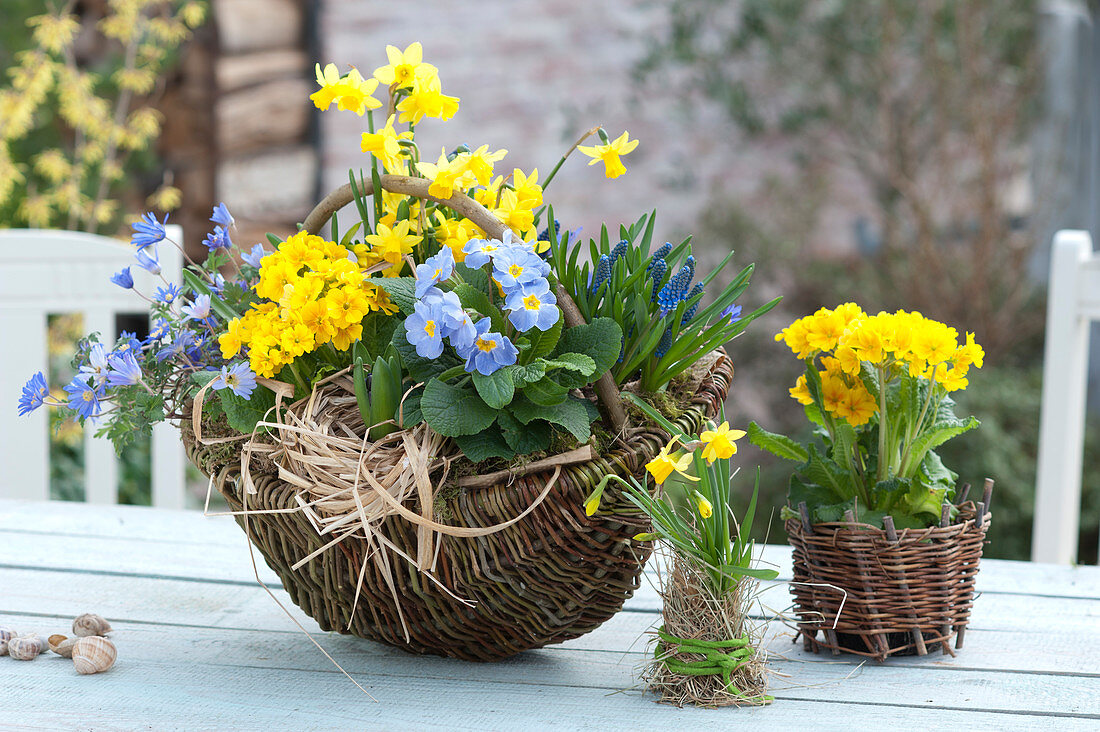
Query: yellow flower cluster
[
  {"x": 314, "y": 294},
  {"x": 901, "y": 342}
]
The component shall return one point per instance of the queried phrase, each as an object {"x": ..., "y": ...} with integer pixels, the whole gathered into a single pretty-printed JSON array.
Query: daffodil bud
[
  {"x": 703, "y": 505},
  {"x": 645, "y": 536}
]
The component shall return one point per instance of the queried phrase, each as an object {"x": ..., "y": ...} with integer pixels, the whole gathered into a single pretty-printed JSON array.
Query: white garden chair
[
  {"x": 1073, "y": 300},
  {"x": 43, "y": 272}
]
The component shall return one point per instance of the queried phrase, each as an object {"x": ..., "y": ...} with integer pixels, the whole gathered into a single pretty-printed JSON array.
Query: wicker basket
[{"x": 910, "y": 595}]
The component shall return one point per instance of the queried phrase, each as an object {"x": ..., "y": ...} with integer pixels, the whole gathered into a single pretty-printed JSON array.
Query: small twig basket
[{"x": 908, "y": 595}]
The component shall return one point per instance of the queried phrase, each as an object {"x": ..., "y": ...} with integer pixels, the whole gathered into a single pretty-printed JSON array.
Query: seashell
[
  {"x": 93, "y": 654},
  {"x": 3, "y": 647},
  {"x": 90, "y": 624},
  {"x": 62, "y": 646},
  {"x": 24, "y": 647},
  {"x": 6, "y": 634}
]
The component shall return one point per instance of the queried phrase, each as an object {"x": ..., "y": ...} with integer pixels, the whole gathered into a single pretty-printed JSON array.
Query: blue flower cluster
[
  {"x": 438, "y": 315},
  {"x": 607, "y": 261}
]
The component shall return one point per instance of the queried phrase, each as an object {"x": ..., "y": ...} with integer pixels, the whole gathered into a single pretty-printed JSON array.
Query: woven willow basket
[{"x": 904, "y": 596}]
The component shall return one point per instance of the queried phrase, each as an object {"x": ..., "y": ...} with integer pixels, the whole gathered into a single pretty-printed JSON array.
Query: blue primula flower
[
  {"x": 532, "y": 305},
  {"x": 516, "y": 266},
  {"x": 424, "y": 328},
  {"x": 34, "y": 394},
  {"x": 458, "y": 327},
  {"x": 238, "y": 378},
  {"x": 434, "y": 270},
  {"x": 167, "y": 294},
  {"x": 218, "y": 239},
  {"x": 254, "y": 255},
  {"x": 124, "y": 369},
  {"x": 198, "y": 310},
  {"x": 147, "y": 262},
  {"x": 148, "y": 231},
  {"x": 83, "y": 398},
  {"x": 123, "y": 278},
  {"x": 490, "y": 351},
  {"x": 221, "y": 216},
  {"x": 480, "y": 251}
]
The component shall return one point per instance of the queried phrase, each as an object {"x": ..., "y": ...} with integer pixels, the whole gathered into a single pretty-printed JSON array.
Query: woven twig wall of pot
[
  {"x": 905, "y": 596},
  {"x": 555, "y": 575}
]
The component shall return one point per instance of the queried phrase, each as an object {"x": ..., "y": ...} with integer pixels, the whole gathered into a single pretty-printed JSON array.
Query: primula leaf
[
  {"x": 402, "y": 290},
  {"x": 940, "y": 433},
  {"x": 529, "y": 374},
  {"x": 570, "y": 414},
  {"x": 545, "y": 392},
  {"x": 577, "y": 362},
  {"x": 473, "y": 298},
  {"x": 601, "y": 340},
  {"x": 243, "y": 414},
  {"x": 420, "y": 368},
  {"x": 377, "y": 334},
  {"x": 496, "y": 389},
  {"x": 827, "y": 474},
  {"x": 453, "y": 412},
  {"x": 524, "y": 438},
  {"x": 544, "y": 342},
  {"x": 778, "y": 445},
  {"x": 489, "y": 443},
  {"x": 476, "y": 277}
]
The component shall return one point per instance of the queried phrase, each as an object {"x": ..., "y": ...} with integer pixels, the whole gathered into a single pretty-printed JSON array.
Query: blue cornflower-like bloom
[
  {"x": 424, "y": 328},
  {"x": 657, "y": 269},
  {"x": 34, "y": 394},
  {"x": 158, "y": 331},
  {"x": 480, "y": 251},
  {"x": 239, "y": 378},
  {"x": 517, "y": 265},
  {"x": 603, "y": 273},
  {"x": 83, "y": 398},
  {"x": 619, "y": 250},
  {"x": 167, "y": 294},
  {"x": 123, "y": 278},
  {"x": 127, "y": 341},
  {"x": 124, "y": 369},
  {"x": 96, "y": 366},
  {"x": 434, "y": 270},
  {"x": 198, "y": 310},
  {"x": 254, "y": 255},
  {"x": 733, "y": 312},
  {"x": 489, "y": 351},
  {"x": 148, "y": 230},
  {"x": 147, "y": 262},
  {"x": 532, "y": 305},
  {"x": 183, "y": 340},
  {"x": 195, "y": 349},
  {"x": 221, "y": 216},
  {"x": 218, "y": 239},
  {"x": 690, "y": 312}
]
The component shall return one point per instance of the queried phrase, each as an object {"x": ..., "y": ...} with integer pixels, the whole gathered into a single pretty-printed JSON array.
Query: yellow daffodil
[
  {"x": 664, "y": 464},
  {"x": 351, "y": 92},
  {"x": 719, "y": 443},
  {"x": 386, "y": 145},
  {"x": 426, "y": 100},
  {"x": 706, "y": 510},
  {"x": 610, "y": 154},
  {"x": 403, "y": 66}
]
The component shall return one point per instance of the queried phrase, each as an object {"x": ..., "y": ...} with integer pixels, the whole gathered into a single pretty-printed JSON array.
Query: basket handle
[{"x": 467, "y": 207}]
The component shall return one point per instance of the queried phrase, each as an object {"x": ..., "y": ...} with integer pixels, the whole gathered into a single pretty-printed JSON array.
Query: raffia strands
[
  {"x": 551, "y": 573},
  {"x": 922, "y": 583},
  {"x": 692, "y": 611}
]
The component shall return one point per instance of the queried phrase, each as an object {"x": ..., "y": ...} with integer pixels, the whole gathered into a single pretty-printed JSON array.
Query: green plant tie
[{"x": 720, "y": 658}]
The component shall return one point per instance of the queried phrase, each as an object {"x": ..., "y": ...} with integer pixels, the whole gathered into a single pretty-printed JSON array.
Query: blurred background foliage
[{"x": 924, "y": 112}]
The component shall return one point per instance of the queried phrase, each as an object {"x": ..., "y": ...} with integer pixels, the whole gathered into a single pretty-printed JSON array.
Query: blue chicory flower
[
  {"x": 221, "y": 216},
  {"x": 83, "y": 398},
  {"x": 123, "y": 278},
  {"x": 253, "y": 256},
  {"x": 733, "y": 312},
  {"x": 517, "y": 265},
  {"x": 124, "y": 369},
  {"x": 424, "y": 328},
  {"x": 218, "y": 239},
  {"x": 148, "y": 263},
  {"x": 148, "y": 231},
  {"x": 199, "y": 309},
  {"x": 434, "y": 270},
  {"x": 490, "y": 351},
  {"x": 532, "y": 305},
  {"x": 167, "y": 294},
  {"x": 34, "y": 394},
  {"x": 239, "y": 378}
]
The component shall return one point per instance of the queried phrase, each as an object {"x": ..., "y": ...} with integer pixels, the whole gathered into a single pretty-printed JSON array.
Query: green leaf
[
  {"x": 778, "y": 445},
  {"x": 524, "y": 438},
  {"x": 529, "y": 374},
  {"x": 570, "y": 414},
  {"x": 402, "y": 290},
  {"x": 577, "y": 362},
  {"x": 378, "y": 331},
  {"x": 243, "y": 414},
  {"x": 410, "y": 409},
  {"x": 453, "y": 412},
  {"x": 600, "y": 340},
  {"x": 828, "y": 475},
  {"x": 545, "y": 392},
  {"x": 940, "y": 433},
  {"x": 497, "y": 389},
  {"x": 488, "y": 443},
  {"x": 476, "y": 277},
  {"x": 473, "y": 298},
  {"x": 420, "y": 368},
  {"x": 544, "y": 342},
  {"x": 216, "y": 303}
]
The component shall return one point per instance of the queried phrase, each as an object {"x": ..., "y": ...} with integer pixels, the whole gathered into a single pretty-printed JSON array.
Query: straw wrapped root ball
[{"x": 706, "y": 652}]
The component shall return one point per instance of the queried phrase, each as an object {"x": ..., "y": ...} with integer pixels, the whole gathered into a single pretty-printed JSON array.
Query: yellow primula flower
[
  {"x": 385, "y": 145},
  {"x": 664, "y": 464},
  {"x": 796, "y": 338},
  {"x": 824, "y": 329},
  {"x": 857, "y": 406},
  {"x": 801, "y": 391},
  {"x": 719, "y": 442},
  {"x": 610, "y": 153},
  {"x": 392, "y": 243},
  {"x": 403, "y": 66}
]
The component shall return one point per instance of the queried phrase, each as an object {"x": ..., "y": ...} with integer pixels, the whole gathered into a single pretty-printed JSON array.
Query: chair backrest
[
  {"x": 43, "y": 272},
  {"x": 1073, "y": 300}
]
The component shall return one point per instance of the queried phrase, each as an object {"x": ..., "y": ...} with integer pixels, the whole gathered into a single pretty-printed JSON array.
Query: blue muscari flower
[
  {"x": 34, "y": 394},
  {"x": 167, "y": 294},
  {"x": 148, "y": 263},
  {"x": 218, "y": 239},
  {"x": 123, "y": 278},
  {"x": 656, "y": 270},
  {"x": 663, "y": 251},
  {"x": 676, "y": 288},
  {"x": 198, "y": 310},
  {"x": 665, "y": 343},
  {"x": 221, "y": 216},
  {"x": 434, "y": 270},
  {"x": 532, "y": 305},
  {"x": 516, "y": 266},
  {"x": 619, "y": 250},
  {"x": 690, "y": 312},
  {"x": 148, "y": 231},
  {"x": 603, "y": 273},
  {"x": 123, "y": 369},
  {"x": 254, "y": 256},
  {"x": 689, "y": 264},
  {"x": 544, "y": 235},
  {"x": 96, "y": 367},
  {"x": 239, "y": 378},
  {"x": 83, "y": 398},
  {"x": 733, "y": 311},
  {"x": 489, "y": 351},
  {"x": 424, "y": 328}
]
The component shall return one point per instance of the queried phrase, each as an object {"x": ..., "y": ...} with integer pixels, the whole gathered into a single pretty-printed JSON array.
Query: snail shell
[
  {"x": 62, "y": 646},
  {"x": 25, "y": 647},
  {"x": 6, "y": 634},
  {"x": 93, "y": 654},
  {"x": 90, "y": 624}
]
